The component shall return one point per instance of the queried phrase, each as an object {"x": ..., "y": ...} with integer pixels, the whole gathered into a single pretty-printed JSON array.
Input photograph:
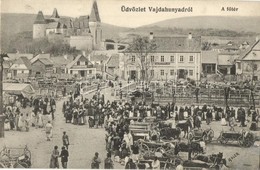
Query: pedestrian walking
[
  {"x": 64, "y": 157},
  {"x": 95, "y": 161},
  {"x": 65, "y": 140},
  {"x": 48, "y": 130},
  {"x": 108, "y": 163},
  {"x": 54, "y": 163}
]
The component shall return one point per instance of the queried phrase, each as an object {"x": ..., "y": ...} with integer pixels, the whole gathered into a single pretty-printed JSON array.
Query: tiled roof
[
  {"x": 40, "y": 18},
  {"x": 209, "y": 57},
  {"x": 177, "y": 44},
  {"x": 69, "y": 65},
  {"x": 247, "y": 55},
  {"x": 40, "y": 56},
  {"x": 100, "y": 57},
  {"x": 94, "y": 15},
  {"x": 61, "y": 60},
  {"x": 113, "y": 61},
  {"x": 53, "y": 25},
  {"x": 26, "y": 62},
  {"x": 14, "y": 56},
  {"x": 45, "y": 61},
  {"x": 227, "y": 59}
]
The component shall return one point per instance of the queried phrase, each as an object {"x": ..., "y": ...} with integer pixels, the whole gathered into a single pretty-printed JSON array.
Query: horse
[
  {"x": 184, "y": 147},
  {"x": 216, "y": 159},
  {"x": 185, "y": 126},
  {"x": 169, "y": 133}
]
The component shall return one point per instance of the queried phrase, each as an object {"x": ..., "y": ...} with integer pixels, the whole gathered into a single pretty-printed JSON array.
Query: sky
[{"x": 111, "y": 13}]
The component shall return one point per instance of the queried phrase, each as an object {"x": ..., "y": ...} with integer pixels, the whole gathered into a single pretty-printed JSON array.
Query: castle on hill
[{"x": 84, "y": 33}]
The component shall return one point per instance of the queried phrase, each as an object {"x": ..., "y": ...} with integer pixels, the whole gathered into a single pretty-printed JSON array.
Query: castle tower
[
  {"x": 95, "y": 26},
  {"x": 55, "y": 16},
  {"x": 39, "y": 26}
]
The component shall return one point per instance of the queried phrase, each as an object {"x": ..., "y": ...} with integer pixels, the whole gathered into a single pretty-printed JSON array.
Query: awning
[{"x": 26, "y": 90}]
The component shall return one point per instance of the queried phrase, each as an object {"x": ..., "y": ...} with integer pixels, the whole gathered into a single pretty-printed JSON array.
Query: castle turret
[
  {"x": 55, "y": 16},
  {"x": 39, "y": 26},
  {"x": 94, "y": 26}
]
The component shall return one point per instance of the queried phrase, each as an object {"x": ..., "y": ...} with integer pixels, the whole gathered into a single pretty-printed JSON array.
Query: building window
[
  {"x": 133, "y": 58},
  {"x": 191, "y": 72},
  {"x": 70, "y": 71},
  {"x": 152, "y": 72},
  {"x": 172, "y": 72},
  {"x": 162, "y": 58},
  {"x": 172, "y": 58},
  {"x": 152, "y": 58},
  {"x": 255, "y": 67},
  {"x": 238, "y": 65},
  {"x": 78, "y": 63},
  {"x": 191, "y": 58},
  {"x": 90, "y": 71},
  {"x": 22, "y": 72},
  {"x": 162, "y": 72},
  {"x": 86, "y": 63},
  {"x": 143, "y": 58},
  {"x": 181, "y": 59}
]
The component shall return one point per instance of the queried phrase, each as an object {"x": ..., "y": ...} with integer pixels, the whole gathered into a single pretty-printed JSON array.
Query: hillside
[{"x": 239, "y": 24}]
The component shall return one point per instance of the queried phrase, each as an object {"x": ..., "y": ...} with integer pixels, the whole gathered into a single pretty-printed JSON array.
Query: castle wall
[
  {"x": 81, "y": 42},
  {"x": 39, "y": 31}
]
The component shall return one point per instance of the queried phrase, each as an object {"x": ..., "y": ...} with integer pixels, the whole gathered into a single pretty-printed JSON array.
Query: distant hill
[{"x": 239, "y": 24}]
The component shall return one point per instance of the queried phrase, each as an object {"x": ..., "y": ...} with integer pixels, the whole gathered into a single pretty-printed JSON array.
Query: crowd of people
[{"x": 36, "y": 112}]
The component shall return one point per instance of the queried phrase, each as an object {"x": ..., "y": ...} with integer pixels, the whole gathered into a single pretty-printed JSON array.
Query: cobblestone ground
[{"x": 85, "y": 142}]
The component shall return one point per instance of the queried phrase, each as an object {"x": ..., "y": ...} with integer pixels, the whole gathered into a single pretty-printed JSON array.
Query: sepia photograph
[{"x": 130, "y": 84}]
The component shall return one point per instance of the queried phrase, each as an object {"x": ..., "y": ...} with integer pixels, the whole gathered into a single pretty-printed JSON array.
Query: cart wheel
[
  {"x": 248, "y": 142},
  {"x": 223, "y": 140},
  {"x": 160, "y": 149},
  {"x": 144, "y": 147},
  {"x": 139, "y": 142},
  {"x": 240, "y": 141},
  {"x": 190, "y": 136}
]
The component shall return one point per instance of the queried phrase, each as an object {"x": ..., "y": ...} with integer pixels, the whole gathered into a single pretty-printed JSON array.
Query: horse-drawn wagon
[
  {"x": 200, "y": 134},
  {"x": 140, "y": 130},
  {"x": 15, "y": 157},
  {"x": 243, "y": 138}
]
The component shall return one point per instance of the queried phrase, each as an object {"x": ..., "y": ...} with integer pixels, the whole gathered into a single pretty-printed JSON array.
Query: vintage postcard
[{"x": 130, "y": 84}]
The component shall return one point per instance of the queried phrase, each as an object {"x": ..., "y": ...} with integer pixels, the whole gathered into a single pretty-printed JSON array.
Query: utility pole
[{"x": 2, "y": 116}]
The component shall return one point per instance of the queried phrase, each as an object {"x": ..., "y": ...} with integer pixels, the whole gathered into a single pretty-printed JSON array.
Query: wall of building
[
  {"x": 247, "y": 70},
  {"x": 39, "y": 31},
  {"x": 38, "y": 66},
  {"x": 81, "y": 42},
  {"x": 168, "y": 66}
]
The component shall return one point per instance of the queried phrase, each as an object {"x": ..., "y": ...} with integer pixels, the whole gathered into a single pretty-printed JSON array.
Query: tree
[
  {"x": 141, "y": 48},
  {"x": 252, "y": 68}
]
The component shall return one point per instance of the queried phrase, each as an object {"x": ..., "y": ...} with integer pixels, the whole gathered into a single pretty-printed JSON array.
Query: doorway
[
  {"x": 133, "y": 74},
  {"x": 182, "y": 74},
  {"x": 82, "y": 73}
]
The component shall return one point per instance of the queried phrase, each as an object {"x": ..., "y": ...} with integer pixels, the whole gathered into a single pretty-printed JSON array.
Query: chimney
[
  {"x": 151, "y": 35},
  {"x": 84, "y": 53},
  {"x": 190, "y": 36}
]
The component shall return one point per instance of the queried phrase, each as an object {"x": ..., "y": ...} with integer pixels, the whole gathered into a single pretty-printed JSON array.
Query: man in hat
[{"x": 65, "y": 140}]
